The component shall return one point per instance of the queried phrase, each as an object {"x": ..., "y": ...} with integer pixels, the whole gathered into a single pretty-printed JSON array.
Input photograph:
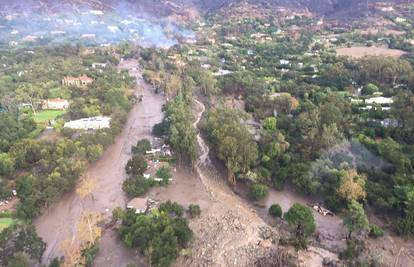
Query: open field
[
  {"x": 362, "y": 51},
  {"x": 47, "y": 115}
]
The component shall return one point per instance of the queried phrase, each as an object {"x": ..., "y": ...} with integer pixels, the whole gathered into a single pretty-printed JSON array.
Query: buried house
[
  {"x": 141, "y": 205},
  {"x": 93, "y": 123}
]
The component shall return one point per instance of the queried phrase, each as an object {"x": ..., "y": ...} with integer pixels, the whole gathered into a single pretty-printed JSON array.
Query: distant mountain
[{"x": 329, "y": 8}]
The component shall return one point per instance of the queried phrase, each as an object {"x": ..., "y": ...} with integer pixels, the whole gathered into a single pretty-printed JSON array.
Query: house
[
  {"x": 81, "y": 81},
  {"x": 140, "y": 205},
  {"x": 284, "y": 62},
  {"x": 379, "y": 100},
  {"x": 99, "y": 65},
  {"x": 55, "y": 103},
  {"x": 222, "y": 72},
  {"x": 93, "y": 123}
]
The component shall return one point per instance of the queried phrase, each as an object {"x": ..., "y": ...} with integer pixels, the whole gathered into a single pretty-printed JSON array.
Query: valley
[{"x": 206, "y": 133}]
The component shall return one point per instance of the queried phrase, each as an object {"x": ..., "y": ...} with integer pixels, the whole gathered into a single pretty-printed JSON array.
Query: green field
[
  {"x": 47, "y": 115},
  {"x": 5, "y": 222}
]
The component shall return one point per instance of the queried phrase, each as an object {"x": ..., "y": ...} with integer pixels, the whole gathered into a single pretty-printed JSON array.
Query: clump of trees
[
  {"x": 160, "y": 235},
  {"x": 177, "y": 127},
  {"x": 231, "y": 140},
  {"x": 50, "y": 167}
]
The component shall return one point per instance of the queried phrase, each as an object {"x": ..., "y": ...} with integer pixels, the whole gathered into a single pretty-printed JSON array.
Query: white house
[
  {"x": 56, "y": 103},
  {"x": 94, "y": 123},
  {"x": 222, "y": 72},
  {"x": 284, "y": 62},
  {"x": 99, "y": 65},
  {"x": 379, "y": 100}
]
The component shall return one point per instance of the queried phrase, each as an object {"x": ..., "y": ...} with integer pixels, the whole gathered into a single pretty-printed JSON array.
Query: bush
[
  {"x": 258, "y": 191},
  {"x": 171, "y": 208},
  {"x": 89, "y": 254},
  {"x": 194, "y": 210},
  {"x": 275, "y": 210},
  {"x": 353, "y": 249},
  {"x": 375, "y": 231}
]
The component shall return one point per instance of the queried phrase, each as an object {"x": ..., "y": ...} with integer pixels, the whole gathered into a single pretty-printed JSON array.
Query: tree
[
  {"x": 141, "y": 147},
  {"x": 301, "y": 223},
  {"x": 355, "y": 219},
  {"x": 269, "y": 124},
  {"x": 232, "y": 140},
  {"x": 165, "y": 174},
  {"x": 171, "y": 208},
  {"x": 369, "y": 89},
  {"x": 6, "y": 164},
  {"x": 137, "y": 185},
  {"x": 87, "y": 234},
  {"x": 159, "y": 235},
  {"x": 352, "y": 186},
  {"x": 285, "y": 103},
  {"x": 207, "y": 83},
  {"x": 258, "y": 191},
  {"x": 181, "y": 134},
  {"x": 94, "y": 152},
  {"x": 20, "y": 239},
  {"x": 136, "y": 166},
  {"x": 30, "y": 95},
  {"x": 402, "y": 110},
  {"x": 18, "y": 260}
]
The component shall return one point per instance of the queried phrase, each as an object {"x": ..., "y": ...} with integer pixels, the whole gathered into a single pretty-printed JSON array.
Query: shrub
[
  {"x": 275, "y": 210},
  {"x": 89, "y": 254},
  {"x": 171, "y": 208},
  {"x": 194, "y": 210},
  {"x": 375, "y": 231},
  {"x": 258, "y": 191}
]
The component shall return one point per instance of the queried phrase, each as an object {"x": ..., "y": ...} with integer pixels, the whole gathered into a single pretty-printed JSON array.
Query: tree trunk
[
  {"x": 230, "y": 176},
  {"x": 33, "y": 109},
  {"x": 349, "y": 235}
]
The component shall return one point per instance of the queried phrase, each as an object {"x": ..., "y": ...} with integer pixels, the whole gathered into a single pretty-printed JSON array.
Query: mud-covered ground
[{"x": 59, "y": 221}]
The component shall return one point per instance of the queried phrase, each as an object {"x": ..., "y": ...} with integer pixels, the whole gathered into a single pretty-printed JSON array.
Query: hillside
[{"x": 334, "y": 9}]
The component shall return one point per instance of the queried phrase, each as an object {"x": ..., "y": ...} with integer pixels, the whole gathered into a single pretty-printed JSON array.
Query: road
[{"x": 59, "y": 221}]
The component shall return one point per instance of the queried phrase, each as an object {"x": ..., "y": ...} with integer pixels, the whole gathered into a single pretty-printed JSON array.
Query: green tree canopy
[{"x": 301, "y": 223}]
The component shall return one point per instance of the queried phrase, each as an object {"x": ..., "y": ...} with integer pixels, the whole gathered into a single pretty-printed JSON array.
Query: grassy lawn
[
  {"x": 5, "y": 222},
  {"x": 47, "y": 115}
]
